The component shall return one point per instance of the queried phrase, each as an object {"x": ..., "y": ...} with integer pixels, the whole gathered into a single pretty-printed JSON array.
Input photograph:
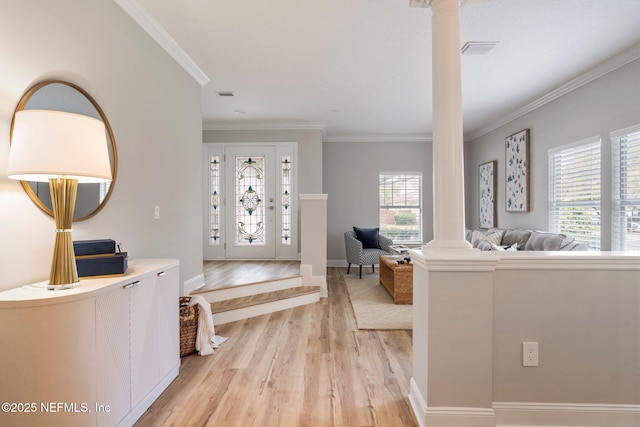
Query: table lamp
[{"x": 63, "y": 149}]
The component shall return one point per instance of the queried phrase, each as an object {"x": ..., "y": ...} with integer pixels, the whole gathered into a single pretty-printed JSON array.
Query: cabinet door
[
  {"x": 113, "y": 365},
  {"x": 144, "y": 338},
  {"x": 168, "y": 293},
  {"x": 47, "y": 355}
]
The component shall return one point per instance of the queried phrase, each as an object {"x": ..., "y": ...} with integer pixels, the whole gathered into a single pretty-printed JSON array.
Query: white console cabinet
[{"x": 95, "y": 355}]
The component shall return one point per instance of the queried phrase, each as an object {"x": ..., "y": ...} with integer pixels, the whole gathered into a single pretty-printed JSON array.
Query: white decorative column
[
  {"x": 448, "y": 156},
  {"x": 313, "y": 241},
  {"x": 452, "y": 383}
]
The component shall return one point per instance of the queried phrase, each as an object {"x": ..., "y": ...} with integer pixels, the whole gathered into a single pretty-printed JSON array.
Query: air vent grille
[{"x": 477, "y": 48}]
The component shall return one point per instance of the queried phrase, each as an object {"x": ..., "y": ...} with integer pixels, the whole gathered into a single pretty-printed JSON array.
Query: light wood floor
[
  {"x": 221, "y": 274},
  {"x": 307, "y": 366}
]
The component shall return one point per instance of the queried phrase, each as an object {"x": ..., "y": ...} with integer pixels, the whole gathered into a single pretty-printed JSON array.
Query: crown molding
[
  {"x": 162, "y": 37},
  {"x": 612, "y": 64},
  {"x": 263, "y": 126},
  {"x": 378, "y": 138}
]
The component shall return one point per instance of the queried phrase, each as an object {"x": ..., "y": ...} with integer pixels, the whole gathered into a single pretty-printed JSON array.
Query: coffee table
[{"x": 397, "y": 279}]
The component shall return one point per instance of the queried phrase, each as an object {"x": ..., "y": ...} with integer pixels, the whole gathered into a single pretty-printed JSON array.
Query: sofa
[{"x": 522, "y": 240}]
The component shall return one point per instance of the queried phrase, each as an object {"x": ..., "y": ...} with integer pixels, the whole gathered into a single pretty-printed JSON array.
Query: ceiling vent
[
  {"x": 226, "y": 93},
  {"x": 477, "y": 48}
]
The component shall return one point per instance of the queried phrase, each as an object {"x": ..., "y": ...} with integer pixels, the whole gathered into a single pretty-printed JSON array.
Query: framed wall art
[
  {"x": 487, "y": 194},
  {"x": 517, "y": 172}
]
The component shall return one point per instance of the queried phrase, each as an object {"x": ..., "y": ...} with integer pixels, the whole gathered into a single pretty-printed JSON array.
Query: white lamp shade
[{"x": 50, "y": 144}]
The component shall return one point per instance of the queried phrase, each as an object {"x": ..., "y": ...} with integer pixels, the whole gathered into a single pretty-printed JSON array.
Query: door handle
[{"x": 131, "y": 285}]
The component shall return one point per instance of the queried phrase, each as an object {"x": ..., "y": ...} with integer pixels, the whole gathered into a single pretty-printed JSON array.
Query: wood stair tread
[
  {"x": 206, "y": 288},
  {"x": 263, "y": 298}
]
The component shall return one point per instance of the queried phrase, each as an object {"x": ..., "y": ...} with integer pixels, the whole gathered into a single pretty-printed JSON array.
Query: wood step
[
  {"x": 223, "y": 293},
  {"x": 268, "y": 302},
  {"x": 263, "y": 298}
]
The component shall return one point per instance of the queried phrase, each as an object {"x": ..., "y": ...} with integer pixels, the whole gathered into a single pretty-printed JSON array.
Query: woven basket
[{"x": 188, "y": 326}]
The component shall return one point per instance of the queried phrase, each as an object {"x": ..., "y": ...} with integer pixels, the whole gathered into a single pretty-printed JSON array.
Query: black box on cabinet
[
  {"x": 102, "y": 265},
  {"x": 94, "y": 247}
]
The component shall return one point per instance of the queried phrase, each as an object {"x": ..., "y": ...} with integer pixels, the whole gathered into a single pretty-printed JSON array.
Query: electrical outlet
[
  {"x": 156, "y": 212},
  {"x": 530, "y": 354}
]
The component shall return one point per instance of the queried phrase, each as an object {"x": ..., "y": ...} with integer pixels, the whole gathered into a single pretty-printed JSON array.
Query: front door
[{"x": 250, "y": 176}]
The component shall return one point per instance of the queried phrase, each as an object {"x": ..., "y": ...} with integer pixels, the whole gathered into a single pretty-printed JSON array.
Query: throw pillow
[
  {"x": 541, "y": 241},
  {"x": 484, "y": 241},
  {"x": 516, "y": 236},
  {"x": 368, "y": 237},
  {"x": 513, "y": 247},
  {"x": 507, "y": 248}
]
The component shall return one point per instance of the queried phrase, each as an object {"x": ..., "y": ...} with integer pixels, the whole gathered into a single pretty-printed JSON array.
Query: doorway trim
[{"x": 214, "y": 246}]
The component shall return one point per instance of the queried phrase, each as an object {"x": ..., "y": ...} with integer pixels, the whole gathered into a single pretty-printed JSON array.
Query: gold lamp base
[{"x": 64, "y": 274}]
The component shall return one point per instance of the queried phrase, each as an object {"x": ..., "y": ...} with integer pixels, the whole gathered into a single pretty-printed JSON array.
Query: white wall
[
  {"x": 154, "y": 108},
  {"x": 609, "y": 103},
  {"x": 351, "y": 172}
]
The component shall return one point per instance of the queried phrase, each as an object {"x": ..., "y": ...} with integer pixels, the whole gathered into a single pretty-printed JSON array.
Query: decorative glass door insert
[
  {"x": 250, "y": 200},
  {"x": 251, "y": 178}
]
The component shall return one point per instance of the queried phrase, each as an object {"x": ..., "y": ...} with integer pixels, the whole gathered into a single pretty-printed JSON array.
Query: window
[
  {"x": 401, "y": 206},
  {"x": 625, "y": 218},
  {"x": 285, "y": 190},
  {"x": 214, "y": 200},
  {"x": 574, "y": 191}
]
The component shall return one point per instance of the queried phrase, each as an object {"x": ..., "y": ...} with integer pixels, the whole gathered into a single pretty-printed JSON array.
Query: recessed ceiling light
[
  {"x": 228, "y": 93},
  {"x": 239, "y": 111},
  {"x": 477, "y": 48}
]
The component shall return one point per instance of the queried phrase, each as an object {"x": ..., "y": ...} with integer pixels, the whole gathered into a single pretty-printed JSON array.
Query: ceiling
[{"x": 362, "y": 68}]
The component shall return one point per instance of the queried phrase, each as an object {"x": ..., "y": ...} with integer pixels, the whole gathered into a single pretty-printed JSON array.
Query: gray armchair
[{"x": 357, "y": 254}]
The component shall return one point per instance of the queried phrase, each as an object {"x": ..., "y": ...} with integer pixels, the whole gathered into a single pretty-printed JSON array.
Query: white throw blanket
[{"x": 206, "y": 338}]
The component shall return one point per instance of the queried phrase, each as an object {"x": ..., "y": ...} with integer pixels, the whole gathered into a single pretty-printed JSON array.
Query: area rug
[{"x": 374, "y": 307}]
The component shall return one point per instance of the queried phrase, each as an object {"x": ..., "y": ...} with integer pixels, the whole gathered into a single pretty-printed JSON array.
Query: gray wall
[
  {"x": 351, "y": 180},
  {"x": 609, "y": 103},
  {"x": 587, "y": 325},
  {"x": 154, "y": 108}
]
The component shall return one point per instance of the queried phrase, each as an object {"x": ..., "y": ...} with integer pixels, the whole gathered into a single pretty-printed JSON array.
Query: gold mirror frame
[{"x": 113, "y": 155}]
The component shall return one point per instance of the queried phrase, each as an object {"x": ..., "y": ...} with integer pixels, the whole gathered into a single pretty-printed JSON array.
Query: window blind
[
  {"x": 574, "y": 191},
  {"x": 625, "y": 218},
  {"x": 400, "y": 204}
]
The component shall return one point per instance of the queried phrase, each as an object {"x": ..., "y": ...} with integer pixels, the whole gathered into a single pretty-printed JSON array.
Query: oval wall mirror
[{"x": 64, "y": 96}]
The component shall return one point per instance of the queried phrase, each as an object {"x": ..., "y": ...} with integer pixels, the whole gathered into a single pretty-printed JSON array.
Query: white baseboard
[
  {"x": 192, "y": 284},
  {"x": 566, "y": 414},
  {"x": 418, "y": 404},
  {"x": 447, "y": 416},
  {"x": 460, "y": 416},
  {"x": 344, "y": 263}
]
